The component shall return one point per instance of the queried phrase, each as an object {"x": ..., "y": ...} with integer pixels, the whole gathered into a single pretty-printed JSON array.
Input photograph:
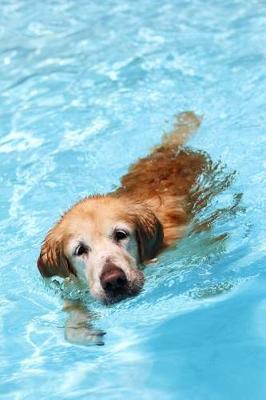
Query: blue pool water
[{"x": 86, "y": 87}]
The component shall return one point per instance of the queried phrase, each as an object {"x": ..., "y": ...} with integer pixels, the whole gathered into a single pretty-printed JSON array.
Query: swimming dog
[{"x": 104, "y": 240}]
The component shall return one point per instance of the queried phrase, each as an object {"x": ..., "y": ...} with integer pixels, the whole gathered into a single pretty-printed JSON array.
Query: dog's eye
[
  {"x": 80, "y": 250},
  {"x": 120, "y": 234}
]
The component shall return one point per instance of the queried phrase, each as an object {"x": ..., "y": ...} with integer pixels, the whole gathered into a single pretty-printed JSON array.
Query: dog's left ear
[{"x": 149, "y": 233}]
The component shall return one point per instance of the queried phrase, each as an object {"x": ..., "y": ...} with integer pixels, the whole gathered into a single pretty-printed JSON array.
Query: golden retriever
[{"x": 104, "y": 239}]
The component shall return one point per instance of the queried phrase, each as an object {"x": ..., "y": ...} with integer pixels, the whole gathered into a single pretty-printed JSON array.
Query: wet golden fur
[
  {"x": 153, "y": 201},
  {"x": 152, "y": 205}
]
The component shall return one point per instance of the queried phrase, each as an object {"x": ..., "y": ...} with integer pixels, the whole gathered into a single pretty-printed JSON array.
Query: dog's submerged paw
[{"x": 85, "y": 335}]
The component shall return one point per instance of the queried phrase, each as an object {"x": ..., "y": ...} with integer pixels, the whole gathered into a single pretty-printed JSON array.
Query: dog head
[{"x": 103, "y": 240}]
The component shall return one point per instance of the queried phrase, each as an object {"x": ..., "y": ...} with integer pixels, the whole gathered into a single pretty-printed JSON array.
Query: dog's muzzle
[{"x": 114, "y": 282}]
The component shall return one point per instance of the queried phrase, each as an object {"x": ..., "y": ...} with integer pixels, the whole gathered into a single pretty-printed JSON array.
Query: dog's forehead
[{"x": 95, "y": 216}]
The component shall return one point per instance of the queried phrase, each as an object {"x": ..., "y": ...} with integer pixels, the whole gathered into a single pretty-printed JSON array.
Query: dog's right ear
[
  {"x": 149, "y": 232},
  {"x": 52, "y": 260}
]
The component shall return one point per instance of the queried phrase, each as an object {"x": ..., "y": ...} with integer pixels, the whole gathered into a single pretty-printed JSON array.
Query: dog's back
[{"x": 165, "y": 177}]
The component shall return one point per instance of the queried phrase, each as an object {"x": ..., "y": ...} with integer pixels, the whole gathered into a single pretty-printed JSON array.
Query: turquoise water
[{"x": 86, "y": 88}]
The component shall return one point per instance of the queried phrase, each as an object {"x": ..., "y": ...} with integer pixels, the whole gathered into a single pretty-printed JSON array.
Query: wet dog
[{"x": 105, "y": 239}]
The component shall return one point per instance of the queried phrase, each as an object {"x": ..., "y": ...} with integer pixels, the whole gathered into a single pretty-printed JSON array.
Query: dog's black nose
[{"x": 113, "y": 280}]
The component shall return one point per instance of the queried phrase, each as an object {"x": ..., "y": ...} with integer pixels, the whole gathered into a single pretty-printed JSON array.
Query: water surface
[{"x": 86, "y": 88}]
